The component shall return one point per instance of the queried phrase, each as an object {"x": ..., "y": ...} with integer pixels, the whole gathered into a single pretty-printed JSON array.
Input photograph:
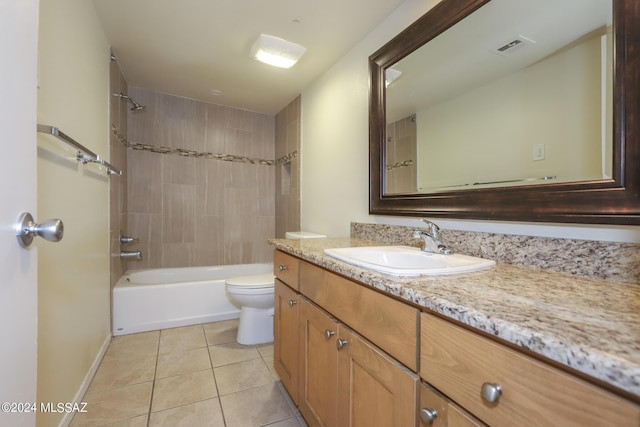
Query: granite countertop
[{"x": 589, "y": 325}]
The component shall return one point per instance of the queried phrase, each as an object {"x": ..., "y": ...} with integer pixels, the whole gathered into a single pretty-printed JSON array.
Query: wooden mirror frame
[{"x": 609, "y": 201}]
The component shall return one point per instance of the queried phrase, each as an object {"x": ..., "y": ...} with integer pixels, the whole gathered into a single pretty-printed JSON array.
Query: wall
[
  {"x": 335, "y": 150},
  {"x": 201, "y": 182},
  {"x": 118, "y": 154},
  {"x": 73, "y": 286},
  {"x": 288, "y": 168}
]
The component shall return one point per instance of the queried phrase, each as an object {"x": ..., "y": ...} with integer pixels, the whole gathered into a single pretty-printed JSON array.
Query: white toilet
[{"x": 254, "y": 294}]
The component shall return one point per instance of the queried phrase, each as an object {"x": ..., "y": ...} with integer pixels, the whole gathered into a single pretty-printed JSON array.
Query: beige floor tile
[
  {"x": 266, "y": 350},
  {"x": 232, "y": 352},
  {"x": 206, "y": 413},
  {"x": 255, "y": 407},
  {"x": 183, "y": 389},
  {"x": 289, "y": 422},
  {"x": 128, "y": 347},
  {"x": 221, "y": 332},
  {"x": 180, "y": 339},
  {"x": 114, "y": 373},
  {"x": 182, "y": 362},
  {"x": 241, "y": 376},
  {"x": 269, "y": 362},
  {"x": 131, "y": 422},
  {"x": 115, "y": 404}
]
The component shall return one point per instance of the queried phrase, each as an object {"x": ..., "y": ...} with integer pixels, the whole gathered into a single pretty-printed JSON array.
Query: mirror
[{"x": 509, "y": 110}]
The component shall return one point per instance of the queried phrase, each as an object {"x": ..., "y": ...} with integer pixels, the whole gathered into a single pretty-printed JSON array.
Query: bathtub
[{"x": 148, "y": 300}]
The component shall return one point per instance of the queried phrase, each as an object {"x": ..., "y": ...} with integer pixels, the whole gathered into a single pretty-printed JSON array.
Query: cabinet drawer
[
  {"x": 285, "y": 268},
  {"x": 458, "y": 363},
  {"x": 389, "y": 324}
]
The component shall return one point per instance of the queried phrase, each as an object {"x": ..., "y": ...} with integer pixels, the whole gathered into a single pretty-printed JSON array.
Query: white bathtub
[{"x": 148, "y": 300}]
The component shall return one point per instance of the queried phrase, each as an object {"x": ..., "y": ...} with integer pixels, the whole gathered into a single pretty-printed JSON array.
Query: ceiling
[{"x": 190, "y": 48}]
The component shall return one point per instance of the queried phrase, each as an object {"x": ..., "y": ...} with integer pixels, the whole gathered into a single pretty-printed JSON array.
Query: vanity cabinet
[
  {"x": 503, "y": 387},
  {"x": 349, "y": 356},
  {"x": 343, "y": 378}
]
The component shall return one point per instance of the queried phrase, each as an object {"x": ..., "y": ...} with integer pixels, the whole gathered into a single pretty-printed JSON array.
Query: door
[
  {"x": 373, "y": 389},
  {"x": 18, "y": 193},
  {"x": 318, "y": 387},
  {"x": 285, "y": 332}
]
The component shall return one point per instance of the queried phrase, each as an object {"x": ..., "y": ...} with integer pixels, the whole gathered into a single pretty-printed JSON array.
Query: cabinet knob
[
  {"x": 491, "y": 392},
  {"x": 328, "y": 334},
  {"x": 340, "y": 343},
  {"x": 292, "y": 302},
  {"x": 428, "y": 416},
  {"x": 282, "y": 267}
]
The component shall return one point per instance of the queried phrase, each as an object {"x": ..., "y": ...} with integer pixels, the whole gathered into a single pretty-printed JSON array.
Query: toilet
[{"x": 255, "y": 295}]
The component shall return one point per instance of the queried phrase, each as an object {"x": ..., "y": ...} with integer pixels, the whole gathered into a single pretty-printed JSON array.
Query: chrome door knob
[
  {"x": 491, "y": 392},
  {"x": 340, "y": 343},
  {"x": 292, "y": 302},
  {"x": 428, "y": 416},
  {"x": 26, "y": 229},
  {"x": 328, "y": 334}
]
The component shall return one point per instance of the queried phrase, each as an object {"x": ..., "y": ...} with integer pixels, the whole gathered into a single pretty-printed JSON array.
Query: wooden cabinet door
[
  {"x": 373, "y": 389},
  {"x": 440, "y": 412},
  {"x": 317, "y": 398},
  {"x": 285, "y": 333}
]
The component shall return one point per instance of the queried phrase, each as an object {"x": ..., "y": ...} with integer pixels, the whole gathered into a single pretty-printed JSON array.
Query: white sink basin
[{"x": 408, "y": 261}]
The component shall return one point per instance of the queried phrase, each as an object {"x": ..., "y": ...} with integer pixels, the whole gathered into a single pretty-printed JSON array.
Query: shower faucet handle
[{"x": 125, "y": 240}]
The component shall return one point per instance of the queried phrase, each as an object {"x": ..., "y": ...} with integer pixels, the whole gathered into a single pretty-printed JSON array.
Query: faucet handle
[
  {"x": 434, "y": 230},
  {"x": 125, "y": 239}
]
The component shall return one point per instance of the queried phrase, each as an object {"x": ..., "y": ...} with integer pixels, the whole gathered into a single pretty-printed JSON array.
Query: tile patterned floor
[{"x": 195, "y": 376}]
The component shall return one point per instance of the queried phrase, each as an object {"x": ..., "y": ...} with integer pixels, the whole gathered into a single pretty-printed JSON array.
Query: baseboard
[{"x": 68, "y": 417}]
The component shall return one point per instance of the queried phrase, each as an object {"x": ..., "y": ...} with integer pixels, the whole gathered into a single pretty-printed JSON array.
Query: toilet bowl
[{"x": 254, "y": 295}]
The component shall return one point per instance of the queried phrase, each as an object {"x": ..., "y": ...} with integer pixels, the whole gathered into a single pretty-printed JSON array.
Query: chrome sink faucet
[{"x": 431, "y": 237}]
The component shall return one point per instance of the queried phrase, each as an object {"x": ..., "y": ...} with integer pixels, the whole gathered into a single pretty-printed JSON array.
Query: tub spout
[{"x": 131, "y": 254}]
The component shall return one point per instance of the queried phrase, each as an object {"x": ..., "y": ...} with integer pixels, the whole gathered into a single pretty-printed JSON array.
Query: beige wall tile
[
  {"x": 178, "y": 209},
  {"x": 144, "y": 179}
]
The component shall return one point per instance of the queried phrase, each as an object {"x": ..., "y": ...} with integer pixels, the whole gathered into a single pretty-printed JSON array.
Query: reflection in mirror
[{"x": 518, "y": 93}]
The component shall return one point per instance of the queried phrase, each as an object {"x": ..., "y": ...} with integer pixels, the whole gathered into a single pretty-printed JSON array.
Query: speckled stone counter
[{"x": 590, "y": 325}]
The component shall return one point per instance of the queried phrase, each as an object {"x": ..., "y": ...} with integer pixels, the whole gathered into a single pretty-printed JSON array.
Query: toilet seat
[
  {"x": 253, "y": 281},
  {"x": 255, "y": 284}
]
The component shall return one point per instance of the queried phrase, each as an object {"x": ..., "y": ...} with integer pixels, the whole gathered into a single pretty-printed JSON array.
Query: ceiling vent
[{"x": 514, "y": 44}]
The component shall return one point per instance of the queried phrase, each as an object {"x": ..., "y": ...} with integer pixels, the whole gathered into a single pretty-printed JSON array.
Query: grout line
[
  {"x": 224, "y": 419},
  {"x": 153, "y": 385}
]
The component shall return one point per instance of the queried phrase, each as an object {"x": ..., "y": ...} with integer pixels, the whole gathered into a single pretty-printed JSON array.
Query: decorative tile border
[
  {"x": 199, "y": 154},
  {"x": 402, "y": 164}
]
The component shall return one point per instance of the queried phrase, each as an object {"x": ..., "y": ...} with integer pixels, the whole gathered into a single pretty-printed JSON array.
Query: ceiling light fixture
[{"x": 276, "y": 51}]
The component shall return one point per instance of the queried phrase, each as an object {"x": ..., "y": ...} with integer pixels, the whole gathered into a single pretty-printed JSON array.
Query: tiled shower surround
[{"x": 201, "y": 182}]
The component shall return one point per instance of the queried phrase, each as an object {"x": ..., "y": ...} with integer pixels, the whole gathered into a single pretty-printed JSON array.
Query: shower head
[{"x": 136, "y": 106}]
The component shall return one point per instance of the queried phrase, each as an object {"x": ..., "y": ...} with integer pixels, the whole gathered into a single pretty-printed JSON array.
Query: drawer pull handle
[
  {"x": 282, "y": 267},
  {"x": 292, "y": 302},
  {"x": 340, "y": 343},
  {"x": 328, "y": 334},
  {"x": 428, "y": 416},
  {"x": 491, "y": 392}
]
